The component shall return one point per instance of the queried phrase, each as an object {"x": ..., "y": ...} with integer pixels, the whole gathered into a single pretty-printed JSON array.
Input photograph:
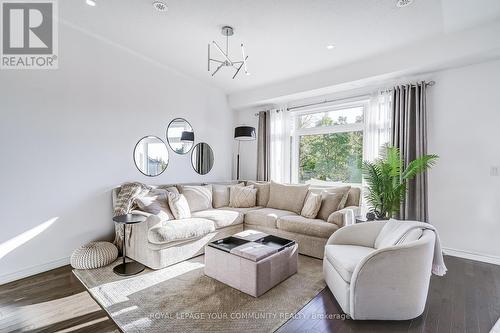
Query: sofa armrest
[
  {"x": 363, "y": 234},
  {"x": 137, "y": 233},
  {"x": 343, "y": 217},
  {"x": 151, "y": 221},
  {"x": 393, "y": 277}
]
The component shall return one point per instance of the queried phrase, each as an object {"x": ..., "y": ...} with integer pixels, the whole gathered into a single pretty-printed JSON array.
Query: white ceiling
[{"x": 284, "y": 38}]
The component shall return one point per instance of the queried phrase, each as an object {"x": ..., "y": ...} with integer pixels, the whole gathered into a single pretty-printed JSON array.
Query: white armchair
[{"x": 388, "y": 283}]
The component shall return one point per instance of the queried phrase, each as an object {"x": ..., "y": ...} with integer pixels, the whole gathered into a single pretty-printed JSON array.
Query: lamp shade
[
  {"x": 187, "y": 136},
  {"x": 244, "y": 133}
]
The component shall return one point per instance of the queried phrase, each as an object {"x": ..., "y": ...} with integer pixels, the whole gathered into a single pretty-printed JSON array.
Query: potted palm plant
[{"x": 387, "y": 179}]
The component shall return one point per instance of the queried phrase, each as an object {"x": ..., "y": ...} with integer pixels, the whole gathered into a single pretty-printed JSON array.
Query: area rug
[{"x": 180, "y": 298}]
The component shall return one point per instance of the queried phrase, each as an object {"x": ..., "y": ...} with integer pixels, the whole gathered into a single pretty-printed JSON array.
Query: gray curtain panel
[
  {"x": 409, "y": 134},
  {"x": 263, "y": 146},
  {"x": 204, "y": 159}
]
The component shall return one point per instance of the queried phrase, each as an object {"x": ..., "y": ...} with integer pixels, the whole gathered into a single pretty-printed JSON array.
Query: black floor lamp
[{"x": 242, "y": 133}]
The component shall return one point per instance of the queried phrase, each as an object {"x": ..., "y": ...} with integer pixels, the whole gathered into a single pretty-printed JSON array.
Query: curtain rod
[
  {"x": 430, "y": 84},
  {"x": 325, "y": 102}
]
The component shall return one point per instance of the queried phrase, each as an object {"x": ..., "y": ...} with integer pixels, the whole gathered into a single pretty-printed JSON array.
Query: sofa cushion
[
  {"x": 353, "y": 197},
  {"x": 345, "y": 258},
  {"x": 178, "y": 205},
  {"x": 177, "y": 230},
  {"x": 332, "y": 200},
  {"x": 262, "y": 192},
  {"x": 287, "y": 197},
  {"x": 170, "y": 188},
  {"x": 241, "y": 210},
  {"x": 311, "y": 205},
  {"x": 303, "y": 225},
  {"x": 265, "y": 217},
  {"x": 220, "y": 194},
  {"x": 198, "y": 197},
  {"x": 242, "y": 196},
  {"x": 155, "y": 202},
  {"x": 222, "y": 218}
]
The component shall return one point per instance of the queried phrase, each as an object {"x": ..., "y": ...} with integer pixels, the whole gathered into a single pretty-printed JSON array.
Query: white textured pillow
[
  {"x": 179, "y": 206},
  {"x": 312, "y": 205},
  {"x": 220, "y": 194},
  {"x": 198, "y": 197},
  {"x": 242, "y": 196},
  {"x": 155, "y": 202}
]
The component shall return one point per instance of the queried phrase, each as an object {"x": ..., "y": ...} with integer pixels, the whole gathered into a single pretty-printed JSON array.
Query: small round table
[{"x": 133, "y": 267}]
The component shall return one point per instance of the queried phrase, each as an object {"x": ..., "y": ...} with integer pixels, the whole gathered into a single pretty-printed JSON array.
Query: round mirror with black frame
[
  {"x": 202, "y": 158},
  {"x": 180, "y": 136},
  {"x": 151, "y": 156}
]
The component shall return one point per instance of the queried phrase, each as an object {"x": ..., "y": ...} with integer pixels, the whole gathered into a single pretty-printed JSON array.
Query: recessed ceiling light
[
  {"x": 91, "y": 3},
  {"x": 160, "y": 6},
  {"x": 403, "y": 3},
  {"x": 330, "y": 47}
]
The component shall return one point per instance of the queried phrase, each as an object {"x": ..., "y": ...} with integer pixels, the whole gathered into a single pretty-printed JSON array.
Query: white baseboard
[
  {"x": 472, "y": 255},
  {"x": 33, "y": 270}
]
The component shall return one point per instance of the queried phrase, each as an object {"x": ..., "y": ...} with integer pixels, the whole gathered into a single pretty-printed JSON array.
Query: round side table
[{"x": 133, "y": 267}]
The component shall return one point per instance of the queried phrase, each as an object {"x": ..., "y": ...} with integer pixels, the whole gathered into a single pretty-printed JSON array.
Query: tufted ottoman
[{"x": 94, "y": 255}]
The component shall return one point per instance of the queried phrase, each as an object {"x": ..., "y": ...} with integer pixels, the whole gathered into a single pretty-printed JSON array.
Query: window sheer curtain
[
  {"x": 280, "y": 129},
  {"x": 377, "y": 132}
]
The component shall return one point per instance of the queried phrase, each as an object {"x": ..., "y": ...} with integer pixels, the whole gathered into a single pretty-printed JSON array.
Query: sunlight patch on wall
[{"x": 15, "y": 242}]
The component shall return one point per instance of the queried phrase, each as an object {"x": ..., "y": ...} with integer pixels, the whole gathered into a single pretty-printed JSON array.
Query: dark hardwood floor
[
  {"x": 54, "y": 301},
  {"x": 467, "y": 299}
]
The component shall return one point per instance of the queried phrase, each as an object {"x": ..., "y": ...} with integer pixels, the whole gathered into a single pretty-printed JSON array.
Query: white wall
[
  {"x": 464, "y": 130},
  {"x": 67, "y": 138}
]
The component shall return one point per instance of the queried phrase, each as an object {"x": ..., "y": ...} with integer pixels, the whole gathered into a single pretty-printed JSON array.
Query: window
[{"x": 327, "y": 144}]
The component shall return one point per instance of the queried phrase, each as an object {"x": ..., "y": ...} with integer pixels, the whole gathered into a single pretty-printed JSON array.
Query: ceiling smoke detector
[
  {"x": 160, "y": 6},
  {"x": 403, "y": 3}
]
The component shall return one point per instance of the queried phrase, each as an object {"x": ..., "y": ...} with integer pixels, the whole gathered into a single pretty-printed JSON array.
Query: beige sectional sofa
[{"x": 158, "y": 243}]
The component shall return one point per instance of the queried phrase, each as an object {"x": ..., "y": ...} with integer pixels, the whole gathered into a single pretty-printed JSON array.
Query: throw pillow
[
  {"x": 179, "y": 206},
  {"x": 198, "y": 197},
  {"x": 155, "y": 202},
  {"x": 170, "y": 188},
  {"x": 312, "y": 205},
  {"x": 262, "y": 192},
  {"x": 287, "y": 197},
  {"x": 220, "y": 194},
  {"x": 332, "y": 200},
  {"x": 242, "y": 196}
]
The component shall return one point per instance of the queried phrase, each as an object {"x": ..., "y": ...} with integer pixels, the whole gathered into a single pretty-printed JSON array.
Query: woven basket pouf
[{"x": 94, "y": 255}]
